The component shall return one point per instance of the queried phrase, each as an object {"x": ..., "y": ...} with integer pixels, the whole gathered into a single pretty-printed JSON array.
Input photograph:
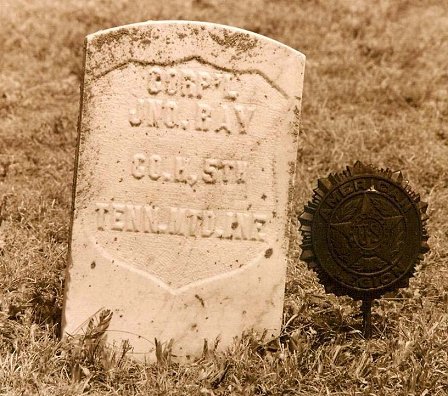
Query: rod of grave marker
[{"x": 366, "y": 308}]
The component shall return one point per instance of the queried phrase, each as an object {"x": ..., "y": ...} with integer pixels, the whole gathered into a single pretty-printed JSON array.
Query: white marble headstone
[{"x": 187, "y": 149}]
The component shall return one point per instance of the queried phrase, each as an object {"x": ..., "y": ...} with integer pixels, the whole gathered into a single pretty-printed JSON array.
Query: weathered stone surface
[{"x": 188, "y": 140}]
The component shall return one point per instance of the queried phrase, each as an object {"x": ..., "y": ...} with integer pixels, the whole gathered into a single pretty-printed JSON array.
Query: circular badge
[{"x": 364, "y": 231}]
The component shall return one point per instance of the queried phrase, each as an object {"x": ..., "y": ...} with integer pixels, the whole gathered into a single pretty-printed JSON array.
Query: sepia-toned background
[{"x": 376, "y": 90}]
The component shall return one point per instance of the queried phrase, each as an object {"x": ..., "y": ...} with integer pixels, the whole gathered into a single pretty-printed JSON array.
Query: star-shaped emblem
[{"x": 368, "y": 241}]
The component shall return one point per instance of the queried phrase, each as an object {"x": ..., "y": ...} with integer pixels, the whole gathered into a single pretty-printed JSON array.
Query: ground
[{"x": 376, "y": 90}]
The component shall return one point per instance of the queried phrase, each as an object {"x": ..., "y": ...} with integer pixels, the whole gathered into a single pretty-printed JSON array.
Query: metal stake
[{"x": 366, "y": 309}]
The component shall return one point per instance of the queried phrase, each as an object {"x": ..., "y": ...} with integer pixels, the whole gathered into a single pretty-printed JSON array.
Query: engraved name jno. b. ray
[{"x": 177, "y": 100}]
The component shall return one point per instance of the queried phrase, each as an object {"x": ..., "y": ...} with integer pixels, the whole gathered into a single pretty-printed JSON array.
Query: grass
[{"x": 376, "y": 89}]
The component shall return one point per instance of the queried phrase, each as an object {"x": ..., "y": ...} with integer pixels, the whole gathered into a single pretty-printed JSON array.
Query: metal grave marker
[{"x": 363, "y": 233}]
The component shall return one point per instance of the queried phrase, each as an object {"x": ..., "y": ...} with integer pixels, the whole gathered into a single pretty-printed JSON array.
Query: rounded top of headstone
[
  {"x": 173, "y": 42},
  {"x": 195, "y": 27},
  {"x": 364, "y": 231}
]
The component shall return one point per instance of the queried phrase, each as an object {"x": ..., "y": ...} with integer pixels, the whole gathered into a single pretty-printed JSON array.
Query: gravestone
[{"x": 187, "y": 146}]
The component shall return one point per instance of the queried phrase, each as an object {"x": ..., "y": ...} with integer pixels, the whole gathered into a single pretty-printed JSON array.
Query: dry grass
[{"x": 376, "y": 90}]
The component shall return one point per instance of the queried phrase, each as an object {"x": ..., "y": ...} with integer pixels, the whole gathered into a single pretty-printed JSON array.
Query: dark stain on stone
[
  {"x": 200, "y": 299},
  {"x": 109, "y": 38},
  {"x": 240, "y": 41}
]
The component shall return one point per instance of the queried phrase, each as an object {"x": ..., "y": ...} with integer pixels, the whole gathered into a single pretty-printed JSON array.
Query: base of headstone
[{"x": 251, "y": 298}]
